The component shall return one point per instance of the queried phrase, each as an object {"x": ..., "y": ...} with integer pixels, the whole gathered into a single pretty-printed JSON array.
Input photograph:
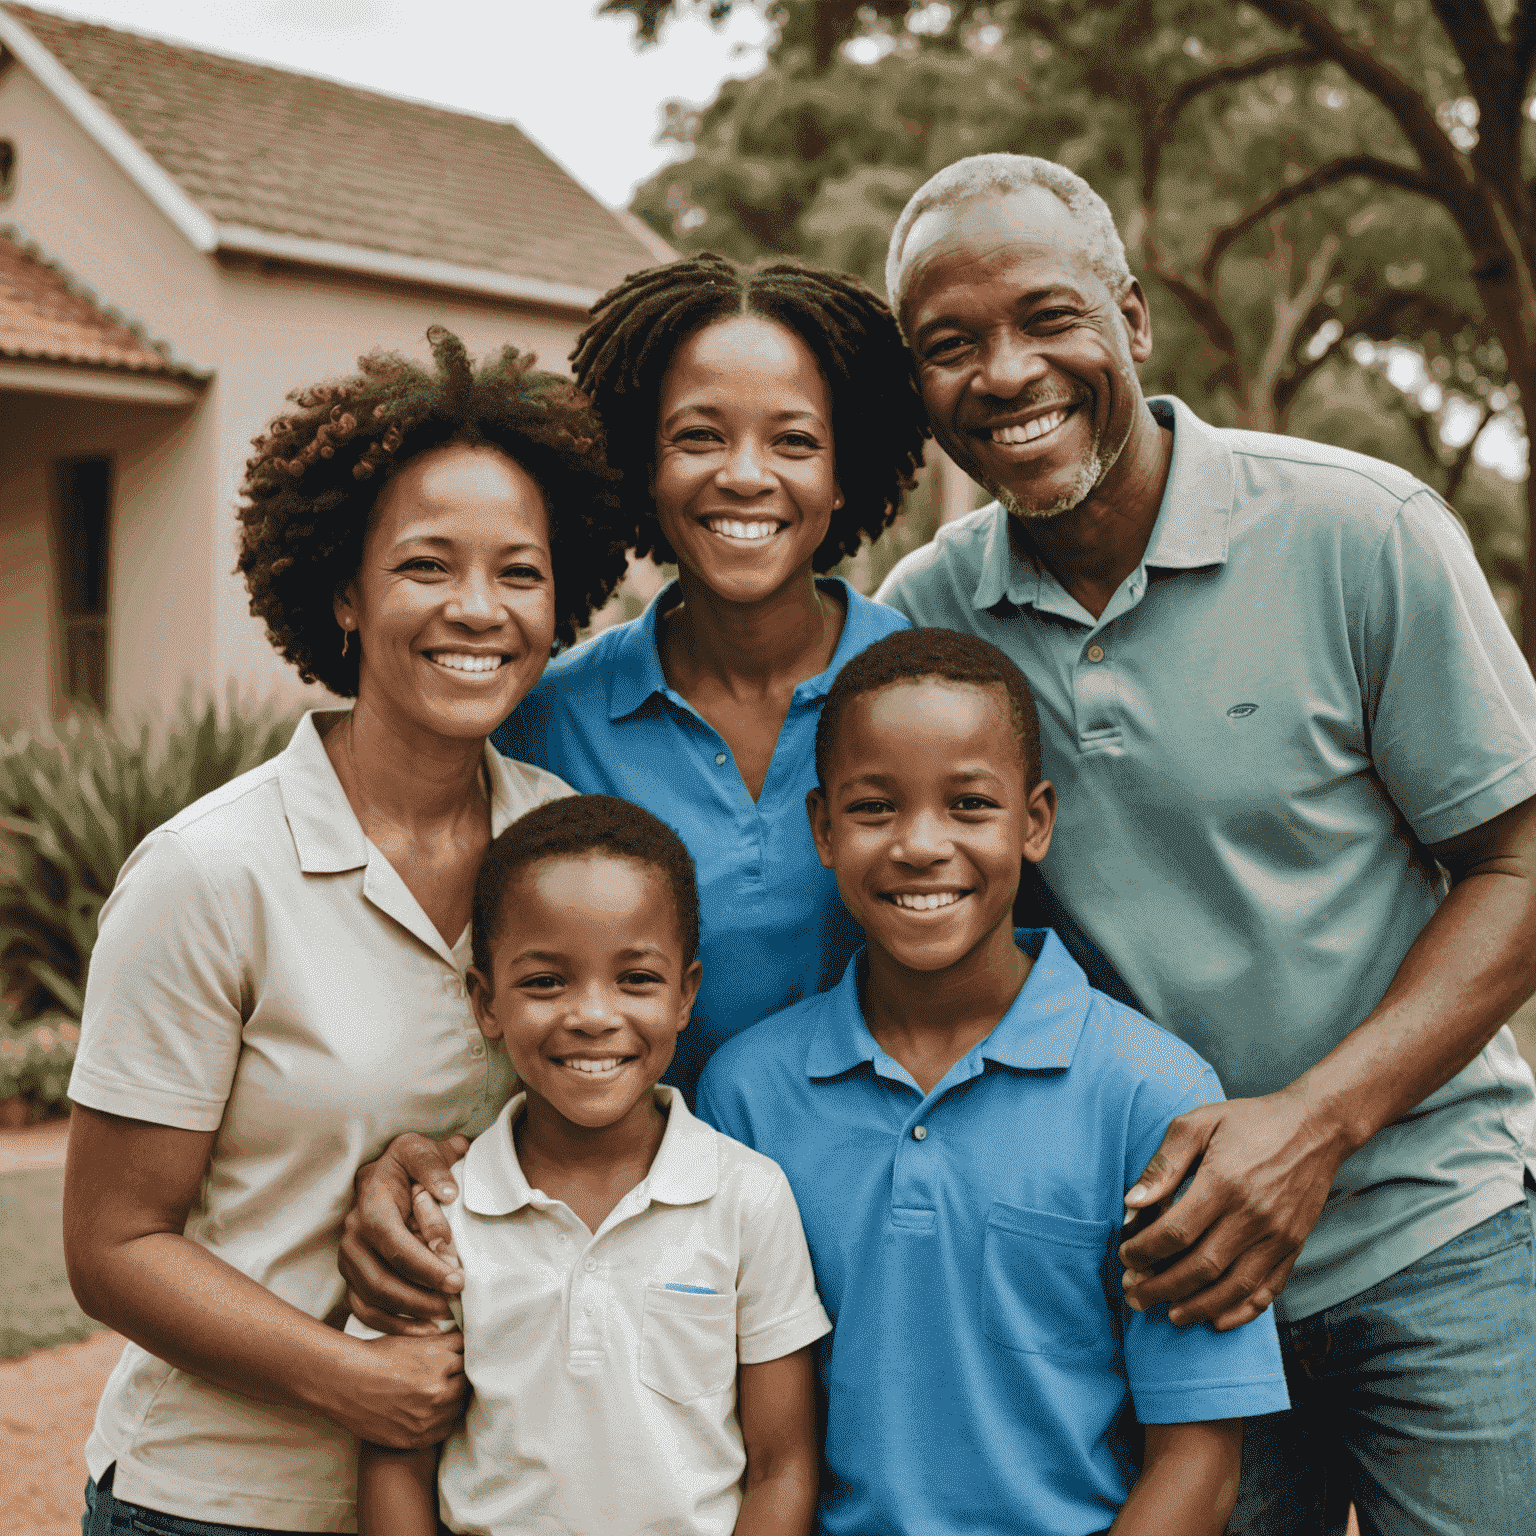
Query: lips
[
  {"x": 468, "y": 663},
  {"x": 743, "y": 530},
  {"x": 1015, "y": 434},
  {"x": 595, "y": 1066},
  {"x": 924, "y": 901}
]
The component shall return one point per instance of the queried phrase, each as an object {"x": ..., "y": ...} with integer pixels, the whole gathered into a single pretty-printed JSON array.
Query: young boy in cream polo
[{"x": 638, "y": 1299}]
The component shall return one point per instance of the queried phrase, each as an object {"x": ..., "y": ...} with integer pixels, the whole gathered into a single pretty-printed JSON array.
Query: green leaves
[{"x": 74, "y": 803}]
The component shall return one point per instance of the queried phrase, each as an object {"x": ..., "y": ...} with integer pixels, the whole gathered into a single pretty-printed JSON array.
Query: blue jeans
[
  {"x": 1415, "y": 1399},
  {"x": 106, "y": 1515}
]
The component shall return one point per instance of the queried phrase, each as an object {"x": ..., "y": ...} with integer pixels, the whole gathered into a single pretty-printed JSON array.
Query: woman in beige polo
[{"x": 278, "y": 985}]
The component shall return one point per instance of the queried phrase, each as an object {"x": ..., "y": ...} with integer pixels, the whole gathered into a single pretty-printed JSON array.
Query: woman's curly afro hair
[
  {"x": 312, "y": 485},
  {"x": 878, "y": 421}
]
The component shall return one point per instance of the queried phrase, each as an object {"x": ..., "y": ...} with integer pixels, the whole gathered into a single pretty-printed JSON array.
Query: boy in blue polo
[{"x": 960, "y": 1119}]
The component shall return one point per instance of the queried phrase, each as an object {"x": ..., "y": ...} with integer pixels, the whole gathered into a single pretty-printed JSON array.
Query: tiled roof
[
  {"x": 47, "y": 315},
  {"x": 294, "y": 155}
]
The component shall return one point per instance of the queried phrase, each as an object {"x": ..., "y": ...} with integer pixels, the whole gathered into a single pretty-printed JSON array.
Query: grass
[{"x": 36, "y": 1308}]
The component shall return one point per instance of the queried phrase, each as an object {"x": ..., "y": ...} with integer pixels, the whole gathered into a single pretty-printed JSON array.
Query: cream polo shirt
[
  {"x": 264, "y": 973},
  {"x": 604, "y": 1364}
]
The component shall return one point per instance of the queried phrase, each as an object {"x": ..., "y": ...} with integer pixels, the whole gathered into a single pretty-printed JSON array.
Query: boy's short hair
[
  {"x": 910, "y": 655},
  {"x": 576, "y": 825}
]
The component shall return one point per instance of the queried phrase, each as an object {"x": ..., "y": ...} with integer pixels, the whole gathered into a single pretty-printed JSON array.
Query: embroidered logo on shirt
[{"x": 1242, "y": 711}]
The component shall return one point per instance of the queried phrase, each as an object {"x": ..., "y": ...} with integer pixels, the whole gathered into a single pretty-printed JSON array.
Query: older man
[{"x": 1295, "y": 748}]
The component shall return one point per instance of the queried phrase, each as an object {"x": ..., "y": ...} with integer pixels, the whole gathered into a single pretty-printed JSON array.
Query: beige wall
[{"x": 155, "y": 615}]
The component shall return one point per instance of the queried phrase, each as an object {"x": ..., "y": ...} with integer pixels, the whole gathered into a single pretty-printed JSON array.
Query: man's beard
[{"x": 1087, "y": 476}]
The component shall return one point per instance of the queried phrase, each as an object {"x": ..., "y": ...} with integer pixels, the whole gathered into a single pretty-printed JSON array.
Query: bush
[{"x": 74, "y": 803}]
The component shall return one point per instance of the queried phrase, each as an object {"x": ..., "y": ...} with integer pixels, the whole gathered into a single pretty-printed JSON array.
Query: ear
[
  {"x": 1138, "y": 322},
  {"x": 482, "y": 998},
  {"x": 821, "y": 825},
  {"x": 691, "y": 979},
  {"x": 1040, "y": 820}
]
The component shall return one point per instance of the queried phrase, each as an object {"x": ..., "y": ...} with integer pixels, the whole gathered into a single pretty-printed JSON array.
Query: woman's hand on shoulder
[
  {"x": 404, "y": 1393},
  {"x": 396, "y": 1251}
]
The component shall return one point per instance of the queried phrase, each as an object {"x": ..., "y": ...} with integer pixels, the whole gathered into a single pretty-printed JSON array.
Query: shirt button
[
  {"x": 719, "y": 759},
  {"x": 589, "y": 1266},
  {"x": 1095, "y": 653},
  {"x": 919, "y": 1132},
  {"x": 478, "y": 1048},
  {"x": 588, "y": 1309},
  {"x": 562, "y": 1238}
]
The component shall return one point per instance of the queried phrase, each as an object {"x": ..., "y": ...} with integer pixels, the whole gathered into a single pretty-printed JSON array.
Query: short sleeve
[
  {"x": 777, "y": 1308},
  {"x": 1450, "y": 702},
  {"x": 161, "y": 1030},
  {"x": 1189, "y": 1375}
]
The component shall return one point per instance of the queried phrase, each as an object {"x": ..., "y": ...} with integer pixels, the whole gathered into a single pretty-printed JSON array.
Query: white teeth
[
  {"x": 459, "y": 661},
  {"x": 926, "y": 903},
  {"x": 593, "y": 1068},
  {"x": 1030, "y": 429},
  {"x": 732, "y": 528}
]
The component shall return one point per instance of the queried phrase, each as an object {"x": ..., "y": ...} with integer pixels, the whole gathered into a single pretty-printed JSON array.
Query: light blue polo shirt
[
  {"x": 772, "y": 926},
  {"x": 1304, "y": 681},
  {"x": 982, "y": 1358}
]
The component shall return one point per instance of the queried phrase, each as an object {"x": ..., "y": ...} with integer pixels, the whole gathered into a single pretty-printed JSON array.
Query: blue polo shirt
[
  {"x": 982, "y": 1357},
  {"x": 772, "y": 926},
  {"x": 1304, "y": 681}
]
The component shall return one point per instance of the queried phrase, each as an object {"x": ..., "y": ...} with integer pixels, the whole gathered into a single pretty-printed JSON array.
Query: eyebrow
[
  {"x": 958, "y": 776},
  {"x": 557, "y": 957},
  {"x": 1024, "y": 301},
  {"x": 713, "y": 411},
  {"x": 442, "y": 541}
]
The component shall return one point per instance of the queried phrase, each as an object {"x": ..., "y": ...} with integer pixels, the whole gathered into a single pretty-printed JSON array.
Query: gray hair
[{"x": 1000, "y": 174}]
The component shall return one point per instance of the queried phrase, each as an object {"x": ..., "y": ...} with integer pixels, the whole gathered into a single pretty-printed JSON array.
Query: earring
[{"x": 346, "y": 636}]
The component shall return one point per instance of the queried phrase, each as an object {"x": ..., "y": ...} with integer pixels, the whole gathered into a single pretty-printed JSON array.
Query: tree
[{"x": 1293, "y": 180}]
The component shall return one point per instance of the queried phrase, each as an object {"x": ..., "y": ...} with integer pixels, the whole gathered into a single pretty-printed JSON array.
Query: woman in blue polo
[{"x": 764, "y": 422}]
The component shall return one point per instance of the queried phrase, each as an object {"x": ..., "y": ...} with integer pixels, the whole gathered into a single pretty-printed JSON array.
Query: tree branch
[
  {"x": 1227, "y": 74},
  {"x": 1388, "y": 172},
  {"x": 1290, "y": 310},
  {"x": 1445, "y": 174},
  {"x": 1522, "y": 37}
]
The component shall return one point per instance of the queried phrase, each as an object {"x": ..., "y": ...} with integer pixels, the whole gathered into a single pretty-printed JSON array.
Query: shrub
[{"x": 74, "y": 803}]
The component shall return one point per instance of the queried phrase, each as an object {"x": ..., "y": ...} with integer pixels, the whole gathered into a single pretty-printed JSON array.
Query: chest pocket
[
  {"x": 687, "y": 1343},
  {"x": 1042, "y": 1287}
]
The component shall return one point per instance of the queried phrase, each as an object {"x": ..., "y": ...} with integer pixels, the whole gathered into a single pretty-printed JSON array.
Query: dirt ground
[{"x": 47, "y": 1399}]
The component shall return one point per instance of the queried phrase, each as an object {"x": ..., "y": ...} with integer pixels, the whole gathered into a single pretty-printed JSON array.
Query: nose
[
  {"x": 1009, "y": 364},
  {"x": 591, "y": 1010},
  {"x": 745, "y": 470},
  {"x": 922, "y": 840},
  {"x": 475, "y": 602}
]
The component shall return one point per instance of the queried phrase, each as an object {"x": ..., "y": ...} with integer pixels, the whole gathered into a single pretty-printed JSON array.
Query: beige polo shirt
[
  {"x": 604, "y": 1364},
  {"x": 264, "y": 973}
]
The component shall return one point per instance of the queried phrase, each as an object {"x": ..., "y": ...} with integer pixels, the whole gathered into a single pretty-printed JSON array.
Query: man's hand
[
  {"x": 1225, "y": 1251},
  {"x": 406, "y": 1393},
  {"x": 396, "y": 1253}
]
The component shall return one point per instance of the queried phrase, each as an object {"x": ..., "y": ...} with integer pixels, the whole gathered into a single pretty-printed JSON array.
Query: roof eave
[
  {"x": 80, "y": 381},
  {"x": 303, "y": 251},
  {"x": 109, "y": 135}
]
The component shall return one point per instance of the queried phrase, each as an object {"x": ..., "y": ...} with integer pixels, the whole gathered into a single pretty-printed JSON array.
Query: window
[{"x": 84, "y": 527}]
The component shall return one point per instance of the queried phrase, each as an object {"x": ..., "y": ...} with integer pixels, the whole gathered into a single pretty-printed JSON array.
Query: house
[{"x": 183, "y": 239}]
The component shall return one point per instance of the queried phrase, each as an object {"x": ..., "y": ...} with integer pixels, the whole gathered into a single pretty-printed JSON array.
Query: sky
[{"x": 571, "y": 80}]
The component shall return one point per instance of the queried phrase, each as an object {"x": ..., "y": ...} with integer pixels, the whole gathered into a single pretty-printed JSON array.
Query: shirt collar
[
  {"x": 1193, "y": 520},
  {"x": 635, "y": 672},
  {"x": 686, "y": 1168},
  {"x": 1039, "y": 1032},
  {"x": 326, "y": 832}
]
